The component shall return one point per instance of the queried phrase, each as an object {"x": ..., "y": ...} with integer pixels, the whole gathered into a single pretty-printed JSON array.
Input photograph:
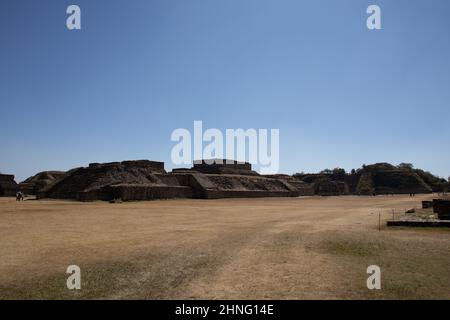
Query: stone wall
[
  {"x": 442, "y": 208},
  {"x": 135, "y": 193},
  {"x": 223, "y": 166}
]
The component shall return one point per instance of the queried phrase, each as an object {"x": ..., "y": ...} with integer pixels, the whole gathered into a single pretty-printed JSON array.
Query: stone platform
[{"x": 146, "y": 180}]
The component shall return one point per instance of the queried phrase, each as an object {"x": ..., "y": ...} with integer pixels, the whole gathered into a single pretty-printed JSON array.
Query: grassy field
[{"x": 273, "y": 248}]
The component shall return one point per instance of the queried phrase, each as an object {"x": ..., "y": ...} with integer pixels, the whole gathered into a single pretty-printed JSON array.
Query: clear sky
[{"x": 340, "y": 94}]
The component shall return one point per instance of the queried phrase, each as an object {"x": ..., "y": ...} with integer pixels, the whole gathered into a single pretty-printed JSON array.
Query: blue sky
[{"x": 340, "y": 94}]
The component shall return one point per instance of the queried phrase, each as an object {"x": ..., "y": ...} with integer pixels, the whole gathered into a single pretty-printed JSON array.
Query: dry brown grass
[{"x": 273, "y": 248}]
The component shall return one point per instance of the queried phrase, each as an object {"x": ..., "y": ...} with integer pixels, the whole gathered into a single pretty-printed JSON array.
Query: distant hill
[
  {"x": 378, "y": 178},
  {"x": 384, "y": 178}
]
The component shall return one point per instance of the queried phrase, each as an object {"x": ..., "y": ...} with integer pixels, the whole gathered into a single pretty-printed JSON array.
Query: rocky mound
[
  {"x": 106, "y": 181},
  {"x": 436, "y": 184},
  {"x": 379, "y": 178},
  {"x": 8, "y": 187},
  {"x": 38, "y": 182},
  {"x": 142, "y": 180},
  {"x": 384, "y": 178}
]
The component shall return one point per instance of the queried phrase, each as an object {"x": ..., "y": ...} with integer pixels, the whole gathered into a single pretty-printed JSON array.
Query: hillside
[{"x": 378, "y": 178}]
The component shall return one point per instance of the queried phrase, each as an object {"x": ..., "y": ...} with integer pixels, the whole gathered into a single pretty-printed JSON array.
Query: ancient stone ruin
[
  {"x": 304, "y": 188},
  {"x": 442, "y": 208},
  {"x": 38, "y": 182},
  {"x": 145, "y": 180},
  {"x": 8, "y": 187},
  {"x": 379, "y": 178},
  {"x": 218, "y": 178}
]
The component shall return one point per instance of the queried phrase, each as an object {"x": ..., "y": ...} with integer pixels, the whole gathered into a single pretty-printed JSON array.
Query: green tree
[
  {"x": 339, "y": 171},
  {"x": 407, "y": 166}
]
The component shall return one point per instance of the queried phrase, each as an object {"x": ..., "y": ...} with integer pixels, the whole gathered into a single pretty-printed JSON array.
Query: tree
[
  {"x": 339, "y": 171},
  {"x": 326, "y": 171},
  {"x": 407, "y": 166},
  {"x": 353, "y": 171}
]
